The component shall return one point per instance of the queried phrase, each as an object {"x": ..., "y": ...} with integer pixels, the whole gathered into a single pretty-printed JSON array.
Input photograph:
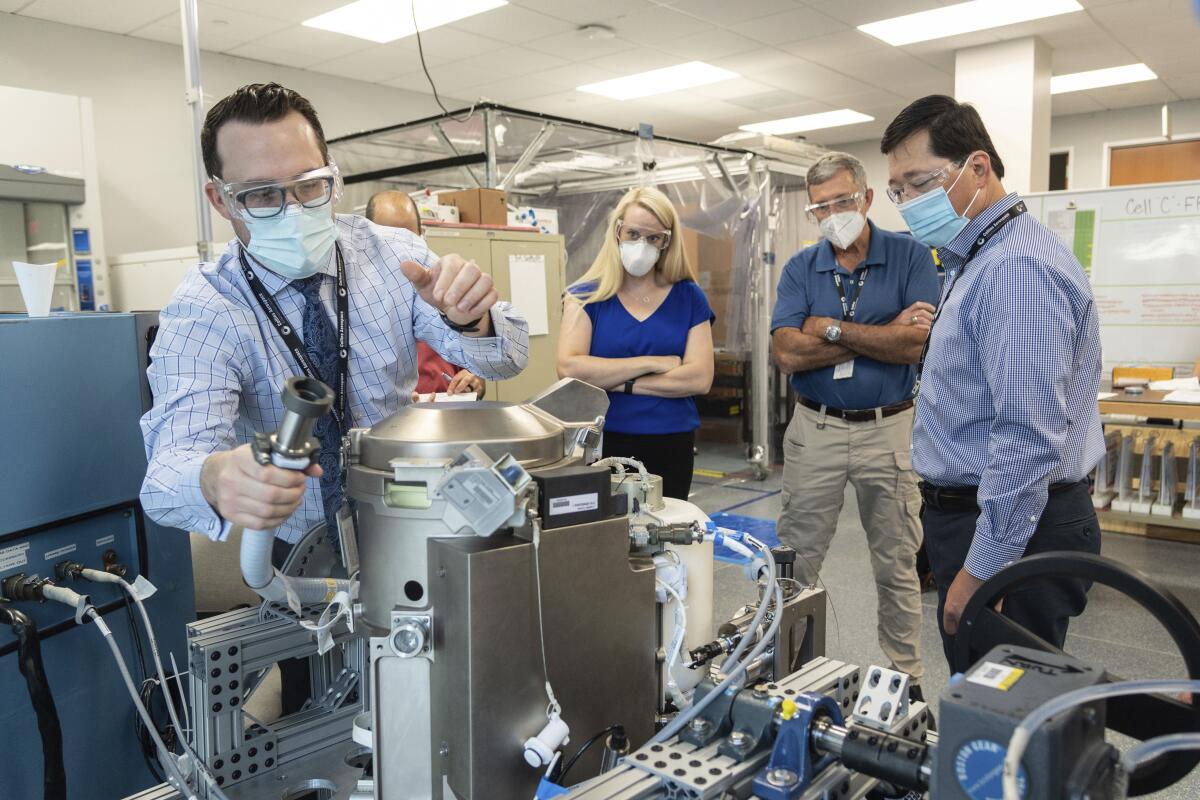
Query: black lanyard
[
  {"x": 987, "y": 233},
  {"x": 849, "y": 306},
  {"x": 288, "y": 332}
]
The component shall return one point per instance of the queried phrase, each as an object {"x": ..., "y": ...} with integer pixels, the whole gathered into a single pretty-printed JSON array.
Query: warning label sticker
[
  {"x": 574, "y": 503},
  {"x": 996, "y": 676}
]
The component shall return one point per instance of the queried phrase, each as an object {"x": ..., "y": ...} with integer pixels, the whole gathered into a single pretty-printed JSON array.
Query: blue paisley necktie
[{"x": 321, "y": 344}]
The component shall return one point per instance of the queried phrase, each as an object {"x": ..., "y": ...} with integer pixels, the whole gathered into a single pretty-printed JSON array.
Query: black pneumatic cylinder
[{"x": 893, "y": 759}]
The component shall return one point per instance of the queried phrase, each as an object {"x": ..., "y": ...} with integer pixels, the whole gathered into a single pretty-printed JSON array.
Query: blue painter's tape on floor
[{"x": 761, "y": 529}]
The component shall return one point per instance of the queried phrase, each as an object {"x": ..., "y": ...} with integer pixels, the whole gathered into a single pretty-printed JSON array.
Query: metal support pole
[
  {"x": 760, "y": 305},
  {"x": 440, "y": 132},
  {"x": 530, "y": 153},
  {"x": 490, "y": 174},
  {"x": 194, "y": 97}
]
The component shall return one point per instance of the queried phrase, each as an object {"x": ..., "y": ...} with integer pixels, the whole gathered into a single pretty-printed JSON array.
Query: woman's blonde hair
[{"x": 606, "y": 272}]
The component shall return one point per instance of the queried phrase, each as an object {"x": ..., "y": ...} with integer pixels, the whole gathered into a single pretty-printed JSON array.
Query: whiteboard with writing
[{"x": 1141, "y": 248}]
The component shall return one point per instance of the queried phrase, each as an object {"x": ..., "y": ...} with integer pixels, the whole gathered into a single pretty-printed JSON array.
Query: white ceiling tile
[
  {"x": 790, "y": 26},
  {"x": 287, "y": 10},
  {"x": 411, "y": 81},
  {"x": 707, "y": 45},
  {"x": 833, "y": 48},
  {"x": 308, "y": 44},
  {"x": 896, "y": 71},
  {"x": 219, "y": 28},
  {"x": 796, "y": 108},
  {"x": 727, "y": 14},
  {"x": 379, "y": 64},
  {"x": 754, "y": 62},
  {"x": 447, "y": 44},
  {"x": 510, "y": 92},
  {"x": 656, "y": 25},
  {"x": 1186, "y": 86},
  {"x": 861, "y": 12},
  {"x": 812, "y": 80},
  {"x": 582, "y": 12},
  {"x": 514, "y": 24},
  {"x": 1134, "y": 94},
  {"x": 120, "y": 17},
  {"x": 631, "y": 62},
  {"x": 736, "y": 89},
  {"x": 1177, "y": 68},
  {"x": 569, "y": 75},
  {"x": 867, "y": 132},
  {"x": 523, "y": 61},
  {"x": 577, "y": 48},
  {"x": 9, "y": 6},
  {"x": 1073, "y": 103},
  {"x": 286, "y": 58}
]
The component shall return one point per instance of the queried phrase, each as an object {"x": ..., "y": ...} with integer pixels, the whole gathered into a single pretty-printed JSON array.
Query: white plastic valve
[{"x": 540, "y": 749}]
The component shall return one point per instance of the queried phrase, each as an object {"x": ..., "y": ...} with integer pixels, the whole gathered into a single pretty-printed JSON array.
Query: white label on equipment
[
  {"x": 996, "y": 676},
  {"x": 574, "y": 504},
  {"x": 14, "y": 556},
  {"x": 103, "y": 540},
  {"x": 60, "y": 551}
]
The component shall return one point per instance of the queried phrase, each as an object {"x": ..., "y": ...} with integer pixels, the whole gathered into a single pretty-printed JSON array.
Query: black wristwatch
[
  {"x": 629, "y": 386},
  {"x": 470, "y": 327}
]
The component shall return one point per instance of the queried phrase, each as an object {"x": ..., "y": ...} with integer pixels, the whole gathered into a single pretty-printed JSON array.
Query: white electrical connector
[{"x": 540, "y": 749}]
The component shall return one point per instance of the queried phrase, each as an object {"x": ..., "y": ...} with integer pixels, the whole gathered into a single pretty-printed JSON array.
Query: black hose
[
  {"x": 29, "y": 655},
  {"x": 562, "y": 775}
]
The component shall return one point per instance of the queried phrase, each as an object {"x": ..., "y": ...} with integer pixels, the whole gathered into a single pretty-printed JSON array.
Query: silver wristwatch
[{"x": 833, "y": 333}]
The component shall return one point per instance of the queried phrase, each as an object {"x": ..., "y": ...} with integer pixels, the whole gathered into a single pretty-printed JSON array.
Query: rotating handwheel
[{"x": 1141, "y": 717}]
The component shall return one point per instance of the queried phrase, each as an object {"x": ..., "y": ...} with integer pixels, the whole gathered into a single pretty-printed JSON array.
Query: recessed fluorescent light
[
  {"x": 1095, "y": 78},
  {"x": 385, "y": 21},
  {"x": 659, "y": 81},
  {"x": 810, "y": 122},
  {"x": 977, "y": 15}
]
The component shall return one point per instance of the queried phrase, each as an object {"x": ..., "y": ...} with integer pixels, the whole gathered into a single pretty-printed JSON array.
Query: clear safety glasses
[
  {"x": 656, "y": 239},
  {"x": 819, "y": 211},
  {"x": 266, "y": 199},
  {"x": 921, "y": 184}
]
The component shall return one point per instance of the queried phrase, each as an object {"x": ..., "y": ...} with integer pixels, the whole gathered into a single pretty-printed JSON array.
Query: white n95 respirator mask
[
  {"x": 294, "y": 244},
  {"x": 638, "y": 258},
  {"x": 842, "y": 229}
]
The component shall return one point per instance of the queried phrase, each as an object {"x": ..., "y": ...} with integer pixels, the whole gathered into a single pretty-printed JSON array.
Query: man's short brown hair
[{"x": 255, "y": 103}]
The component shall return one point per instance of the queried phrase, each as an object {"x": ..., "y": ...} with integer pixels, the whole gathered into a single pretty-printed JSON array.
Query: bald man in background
[{"x": 396, "y": 209}]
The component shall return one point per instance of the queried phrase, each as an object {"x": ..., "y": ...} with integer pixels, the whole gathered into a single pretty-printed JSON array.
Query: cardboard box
[
  {"x": 478, "y": 206},
  {"x": 711, "y": 258},
  {"x": 433, "y": 211}
]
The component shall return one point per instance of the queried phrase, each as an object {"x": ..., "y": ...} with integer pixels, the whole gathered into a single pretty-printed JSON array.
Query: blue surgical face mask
[
  {"x": 931, "y": 217},
  {"x": 294, "y": 244}
]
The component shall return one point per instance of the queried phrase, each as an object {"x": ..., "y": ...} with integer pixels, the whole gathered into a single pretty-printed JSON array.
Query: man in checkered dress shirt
[
  {"x": 218, "y": 364},
  {"x": 1007, "y": 425}
]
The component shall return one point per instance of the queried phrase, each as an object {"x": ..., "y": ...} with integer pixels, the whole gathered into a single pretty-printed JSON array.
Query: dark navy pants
[{"x": 1044, "y": 607}]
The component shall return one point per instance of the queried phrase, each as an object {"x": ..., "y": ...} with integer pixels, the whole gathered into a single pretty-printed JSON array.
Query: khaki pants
[{"x": 821, "y": 453}]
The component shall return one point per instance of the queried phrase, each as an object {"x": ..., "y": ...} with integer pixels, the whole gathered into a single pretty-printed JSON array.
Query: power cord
[
  {"x": 562, "y": 774},
  {"x": 424, "y": 68}
]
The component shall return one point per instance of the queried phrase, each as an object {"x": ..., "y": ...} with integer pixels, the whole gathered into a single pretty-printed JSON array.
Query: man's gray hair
[{"x": 831, "y": 164}]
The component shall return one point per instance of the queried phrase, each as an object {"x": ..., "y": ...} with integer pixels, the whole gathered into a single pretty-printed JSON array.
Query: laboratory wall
[
  {"x": 142, "y": 126},
  {"x": 1085, "y": 134},
  {"x": 1088, "y": 133}
]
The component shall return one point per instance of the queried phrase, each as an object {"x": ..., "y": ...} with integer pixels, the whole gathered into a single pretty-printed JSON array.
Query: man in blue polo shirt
[{"x": 851, "y": 319}]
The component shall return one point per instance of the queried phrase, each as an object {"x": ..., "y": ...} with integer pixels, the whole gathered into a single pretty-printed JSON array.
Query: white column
[{"x": 1009, "y": 83}]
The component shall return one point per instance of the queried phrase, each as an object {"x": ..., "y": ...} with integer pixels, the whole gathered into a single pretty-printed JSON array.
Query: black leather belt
[
  {"x": 962, "y": 498},
  {"x": 866, "y": 415}
]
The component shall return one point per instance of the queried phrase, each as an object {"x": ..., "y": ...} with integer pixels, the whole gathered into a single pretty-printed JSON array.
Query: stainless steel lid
[{"x": 442, "y": 430}]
